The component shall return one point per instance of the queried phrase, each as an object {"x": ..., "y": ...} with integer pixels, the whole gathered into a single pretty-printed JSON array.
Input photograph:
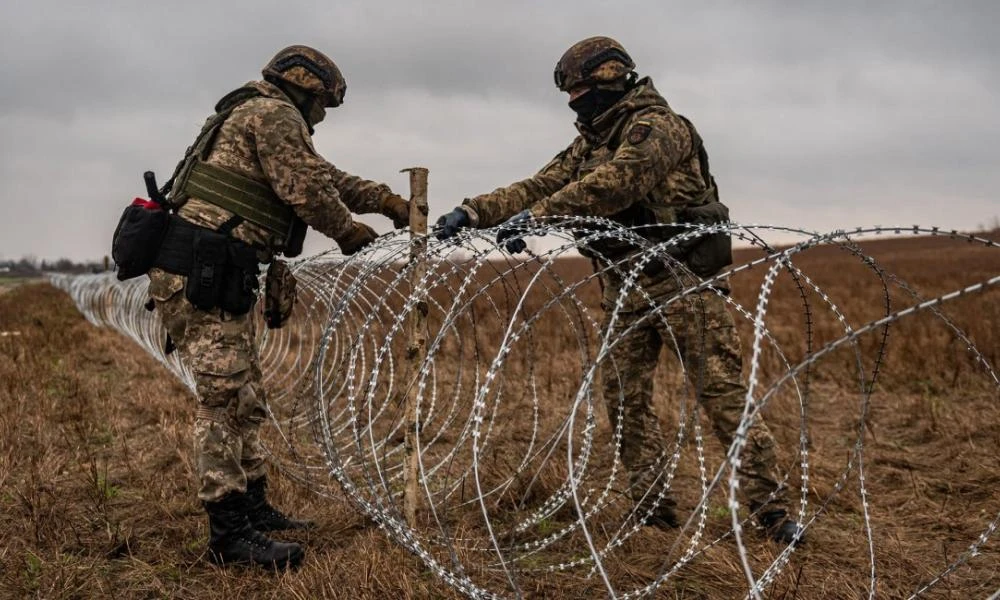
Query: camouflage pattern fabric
[
  {"x": 267, "y": 140},
  {"x": 604, "y": 172},
  {"x": 636, "y": 158},
  {"x": 640, "y": 158},
  {"x": 220, "y": 351},
  {"x": 700, "y": 329}
]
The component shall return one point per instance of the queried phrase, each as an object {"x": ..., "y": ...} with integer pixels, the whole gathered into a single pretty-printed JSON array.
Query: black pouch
[
  {"x": 279, "y": 294},
  {"x": 295, "y": 237},
  {"x": 708, "y": 254},
  {"x": 206, "y": 282},
  {"x": 241, "y": 281},
  {"x": 137, "y": 238}
]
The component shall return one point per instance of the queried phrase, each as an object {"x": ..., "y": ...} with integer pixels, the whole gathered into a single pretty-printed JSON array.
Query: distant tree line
[
  {"x": 31, "y": 266},
  {"x": 991, "y": 227}
]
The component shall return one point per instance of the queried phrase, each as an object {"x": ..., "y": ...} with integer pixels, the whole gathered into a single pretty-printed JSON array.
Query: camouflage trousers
[
  {"x": 219, "y": 350},
  {"x": 700, "y": 330}
]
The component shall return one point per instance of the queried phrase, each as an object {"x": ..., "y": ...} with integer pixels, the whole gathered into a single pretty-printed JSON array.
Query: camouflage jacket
[
  {"x": 638, "y": 162},
  {"x": 267, "y": 140}
]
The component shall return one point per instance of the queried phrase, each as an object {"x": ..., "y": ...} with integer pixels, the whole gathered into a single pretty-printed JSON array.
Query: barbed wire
[{"x": 518, "y": 466}]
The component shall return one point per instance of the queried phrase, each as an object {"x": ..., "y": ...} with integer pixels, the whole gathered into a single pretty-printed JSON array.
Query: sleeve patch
[{"x": 638, "y": 134}]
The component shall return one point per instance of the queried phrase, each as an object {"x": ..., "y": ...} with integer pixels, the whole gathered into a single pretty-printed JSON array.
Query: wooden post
[{"x": 417, "y": 348}]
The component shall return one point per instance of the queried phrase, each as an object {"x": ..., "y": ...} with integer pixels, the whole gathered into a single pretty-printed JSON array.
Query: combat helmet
[
  {"x": 593, "y": 61},
  {"x": 310, "y": 70}
]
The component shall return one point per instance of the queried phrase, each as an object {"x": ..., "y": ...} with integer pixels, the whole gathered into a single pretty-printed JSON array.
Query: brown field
[{"x": 97, "y": 497}]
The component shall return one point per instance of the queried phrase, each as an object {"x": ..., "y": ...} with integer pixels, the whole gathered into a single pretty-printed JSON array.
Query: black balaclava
[{"x": 594, "y": 102}]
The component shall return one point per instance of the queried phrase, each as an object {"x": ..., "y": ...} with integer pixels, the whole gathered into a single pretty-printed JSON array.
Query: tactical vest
[
  {"x": 246, "y": 198},
  {"x": 651, "y": 219}
]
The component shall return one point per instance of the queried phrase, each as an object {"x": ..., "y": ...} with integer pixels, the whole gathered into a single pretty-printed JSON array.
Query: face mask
[
  {"x": 316, "y": 113},
  {"x": 594, "y": 102},
  {"x": 309, "y": 105}
]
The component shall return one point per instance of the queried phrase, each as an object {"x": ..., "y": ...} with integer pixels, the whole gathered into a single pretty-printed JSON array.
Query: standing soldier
[
  {"x": 639, "y": 163},
  {"x": 246, "y": 189}
]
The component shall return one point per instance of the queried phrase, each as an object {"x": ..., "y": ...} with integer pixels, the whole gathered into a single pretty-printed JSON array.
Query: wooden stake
[{"x": 417, "y": 348}]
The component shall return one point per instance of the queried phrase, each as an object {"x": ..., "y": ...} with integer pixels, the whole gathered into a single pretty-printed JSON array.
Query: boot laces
[
  {"x": 256, "y": 539},
  {"x": 273, "y": 513}
]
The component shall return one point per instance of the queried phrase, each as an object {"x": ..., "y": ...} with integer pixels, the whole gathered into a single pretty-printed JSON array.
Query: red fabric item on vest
[{"x": 147, "y": 204}]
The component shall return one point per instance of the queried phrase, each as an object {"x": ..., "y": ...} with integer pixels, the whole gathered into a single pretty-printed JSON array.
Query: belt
[{"x": 176, "y": 253}]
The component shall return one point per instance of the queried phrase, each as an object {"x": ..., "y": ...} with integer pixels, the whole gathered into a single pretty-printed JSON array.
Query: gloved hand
[
  {"x": 448, "y": 224},
  {"x": 511, "y": 231},
  {"x": 397, "y": 209},
  {"x": 359, "y": 236}
]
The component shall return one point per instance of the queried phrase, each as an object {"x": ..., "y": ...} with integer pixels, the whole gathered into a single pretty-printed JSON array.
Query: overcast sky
[{"x": 815, "y": 114}]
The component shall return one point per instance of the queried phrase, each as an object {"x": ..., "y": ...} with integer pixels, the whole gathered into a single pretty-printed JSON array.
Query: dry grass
[{"x": 97, "y": 497}]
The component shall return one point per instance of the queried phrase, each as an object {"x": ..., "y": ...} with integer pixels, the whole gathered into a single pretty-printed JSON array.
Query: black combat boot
[
  {"x": 662, "y": 515},
  {"x": 780, "y": 528},
  {"x": 265, "y": 517},
  {"x": 233, "y": 541}
]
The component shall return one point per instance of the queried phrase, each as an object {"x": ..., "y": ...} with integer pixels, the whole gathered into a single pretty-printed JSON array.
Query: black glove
[
  {"x": 359, "y": 236},
  {"x": 397, "y": 209},
  {"x": 511, "y": 231},
  {"x": 448, "y": 224}
]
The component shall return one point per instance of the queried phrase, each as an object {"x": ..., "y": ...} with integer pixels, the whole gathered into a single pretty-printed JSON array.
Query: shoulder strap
[
  {"x": 615, "y": 135},
  {"x": 231, "y": 223},
  {"x": 699, "y": 147},
  {"x": 206, "y": 138}
]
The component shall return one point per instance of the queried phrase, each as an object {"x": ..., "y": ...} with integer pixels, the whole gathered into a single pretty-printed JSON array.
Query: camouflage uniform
[
  {"x": 268, "y": 140},
  {"x": 635, "y": 159}
]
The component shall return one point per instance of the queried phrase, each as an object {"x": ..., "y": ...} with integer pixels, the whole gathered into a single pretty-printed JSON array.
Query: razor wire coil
[{"x": 519, "y": 470}]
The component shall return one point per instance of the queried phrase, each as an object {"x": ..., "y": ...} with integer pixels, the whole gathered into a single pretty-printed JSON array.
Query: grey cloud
[{"x": 813, "y": 112}]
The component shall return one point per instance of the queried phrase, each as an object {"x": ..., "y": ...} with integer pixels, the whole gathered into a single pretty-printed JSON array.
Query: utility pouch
[
  {"x": 708, "y": 254},
  {"x": 206, "y": 281},
  {"x": 239, "y": 292},
  {"x": 611, "y": 247},
  {"x": 137, "y": 238},
  {"x": 295, "y": 237},
  {"x": 279, "y": 294}
]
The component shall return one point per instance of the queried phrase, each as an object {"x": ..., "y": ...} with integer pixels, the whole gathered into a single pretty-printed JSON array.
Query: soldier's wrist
[
  {"x": 470, "y": 212},
  {"x": 386, "y": 198},
  {"x": 346, "y": 233}
]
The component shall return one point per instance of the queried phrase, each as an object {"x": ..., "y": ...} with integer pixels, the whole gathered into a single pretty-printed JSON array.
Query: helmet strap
[
  {"x": 308, "y": 103},
  {"x": 313, "y": 111}
]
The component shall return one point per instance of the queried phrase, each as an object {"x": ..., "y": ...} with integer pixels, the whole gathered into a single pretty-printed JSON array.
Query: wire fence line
[{"x": 519, "y": 467}]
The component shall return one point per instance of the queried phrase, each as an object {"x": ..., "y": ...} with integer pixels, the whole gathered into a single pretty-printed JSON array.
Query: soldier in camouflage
[
  {"x": 266, "y": 139},
  {"x": 639, "y": 163}
]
